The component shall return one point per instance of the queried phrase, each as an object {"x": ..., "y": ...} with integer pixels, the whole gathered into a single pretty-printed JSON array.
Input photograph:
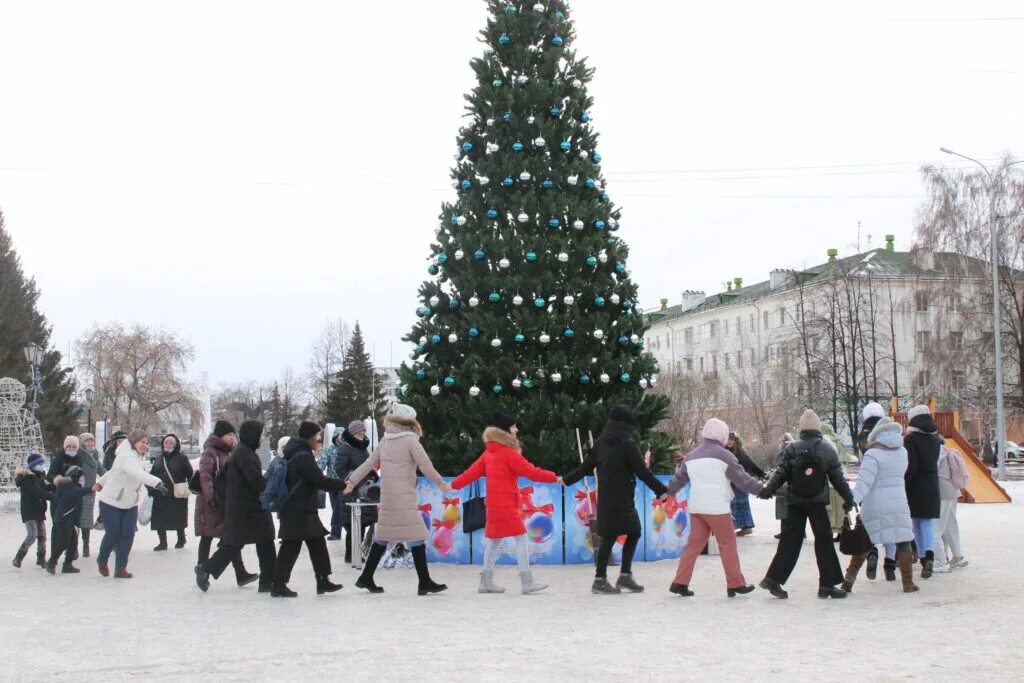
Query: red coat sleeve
[
  {"x": 472, "y": 473},
  {"x": 524, "y": 468}
]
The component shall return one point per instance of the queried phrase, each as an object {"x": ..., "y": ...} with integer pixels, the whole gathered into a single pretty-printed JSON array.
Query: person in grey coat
[
  {"x": 882, "y": 495},
  {"x": 89, "y": 461}
]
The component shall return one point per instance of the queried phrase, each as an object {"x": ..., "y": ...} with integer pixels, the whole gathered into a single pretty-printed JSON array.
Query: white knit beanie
[
  {"x": 715, "y": 430},
  {"x": 71, "y": 442},
  {"x": 403, "y": 411},
  {"x": 280, "y": 445},
  {"x": 918, "y": 410},
  {"x": 810, "y": 422},
  {"x": 873, "y": 409}
]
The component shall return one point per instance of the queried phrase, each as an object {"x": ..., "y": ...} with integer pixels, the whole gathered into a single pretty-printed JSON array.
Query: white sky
[{"x": 241, "y": 171}]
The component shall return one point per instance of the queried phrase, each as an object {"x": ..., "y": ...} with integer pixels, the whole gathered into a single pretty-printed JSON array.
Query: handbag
[
  {"x": 854, "y": 540},
  {"x": 474, "y": 511},
  {"x": 181, "y": 490}
]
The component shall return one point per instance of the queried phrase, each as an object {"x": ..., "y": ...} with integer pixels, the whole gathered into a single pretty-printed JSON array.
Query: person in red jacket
[{"x": 503, "y": 463}]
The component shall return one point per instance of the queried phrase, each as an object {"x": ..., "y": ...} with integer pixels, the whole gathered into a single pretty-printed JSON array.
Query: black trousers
[
  {"x": 289, "y": 553},
  {"x": 348, "y": 537},
  {"x": 604, "y": 554},
  {"x": 793, "y": 532},
  {"x": 232, "y": 554},
  {"x": 63, "y": 537},
  {"x": 204, "y": 556}
]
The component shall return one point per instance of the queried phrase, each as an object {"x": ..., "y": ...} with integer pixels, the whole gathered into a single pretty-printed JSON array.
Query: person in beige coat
[{"x": 399, "y": 455}]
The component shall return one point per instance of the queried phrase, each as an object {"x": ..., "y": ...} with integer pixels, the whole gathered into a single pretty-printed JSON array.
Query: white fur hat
[
  {"x": 716, "y": 430},
  {"x": 918, "y": 410},
  {"x": 873, "y": 409},
  {"x": 280, "y": 444},
  {"x": 884, "y": 425},
  {"x": 402, "y": 411}
]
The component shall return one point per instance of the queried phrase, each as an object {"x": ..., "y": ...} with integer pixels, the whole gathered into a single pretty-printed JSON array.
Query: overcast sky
[{"x": 242, "y": 171}]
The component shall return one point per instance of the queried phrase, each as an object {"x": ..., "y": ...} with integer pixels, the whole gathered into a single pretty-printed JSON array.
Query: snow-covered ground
[{"x": 158, "y": 626}]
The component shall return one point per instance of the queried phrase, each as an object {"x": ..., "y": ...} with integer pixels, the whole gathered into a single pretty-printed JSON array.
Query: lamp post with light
[{"x": 34, "y": 355}]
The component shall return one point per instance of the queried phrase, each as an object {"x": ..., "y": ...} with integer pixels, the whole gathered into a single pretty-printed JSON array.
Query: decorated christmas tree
[{"x": 530, "y": 307}]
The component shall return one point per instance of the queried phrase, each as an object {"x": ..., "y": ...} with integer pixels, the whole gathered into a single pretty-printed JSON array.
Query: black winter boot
[
  {"x": 427, "y": 585},
  {"x": 681, "y": 589},
  {"x": 85, "y": 542},
  {"x": 831, "y": 592},
  {"x": 927, "y": 564},
  {"x": 602, "y": 586},
  {"x": 365, "y": 580},
  {"x": 324, "y": 585},
  {"x": 202, "y": 577},
  {"x": 279, "y": 590},
  {"x": 889, "y": 568},
  {"x": 872, "y": 563},
  {"x": 19, "y": 556},
  {"x": 69, "y": 568},
  {"x": 41, "y": 559},
  {"x": 774, "y": 587},
  {"x": 51, "y": 568}
]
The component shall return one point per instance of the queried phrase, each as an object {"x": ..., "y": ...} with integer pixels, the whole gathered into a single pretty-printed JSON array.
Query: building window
[
  {"x": 922, "y": 379},
  {"x": 921, "y": 301},
  {"x": 767, "y": 353},
  {"x": 953, "y": 304},
  {"x": 726, "y": 360},
  {"x": 923, "y": 340},
  {"x": 689, "y": 364},
  {"x": 959, "y": 381},
  {"x": 739, "y": 325},
  {"x": 714, "y": 364},
  {"x": 688, "y": 335},
  {"x": 725, "y": 327},
  {"x": 765, "y": 322},
  {"x": 702, "y": 364},
  {"x": 713, "y": 329},
  {"x": 782, "y": 316},
  {"x": 753, "y": 324},
  {"x": 753, "y": 357},
  {"x": 768, "y": 390},
  {"x": 739, "y": 360},
  {"x": 956, "y": 341}
]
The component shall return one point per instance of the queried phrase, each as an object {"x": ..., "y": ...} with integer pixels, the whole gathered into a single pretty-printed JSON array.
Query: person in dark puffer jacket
[
  {"x": 923, "y": 445},
  {"x": 67, "y": 509},
  {"x": 35, "y": 492}
]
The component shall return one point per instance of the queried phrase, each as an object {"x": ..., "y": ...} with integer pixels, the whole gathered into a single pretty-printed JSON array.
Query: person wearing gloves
[
  {"x": 35, "y": 492},
  {"x": 121, "y": 489},
  {"x": 300, "y": 515},
  {"x": 63, "y": 461},
  {"x": 617, "y": 460},
  {"x": 399, "y": 455},
  {"x": 353, "y": 451},
  {"x": 67, "y": 509},
  {"x": 169, "y": 512},
  {"x": 502, "y": 462},
  {"x": 953, "y": 478},
  {"x": 923, "y": 445},
  {"x": 882, "y": 498},
  {"x": 712, "y": 471},
  {"x": 871, "y": 414},
  {"x": 808, "y": 466},
  {"x": 89, "y": 461}
]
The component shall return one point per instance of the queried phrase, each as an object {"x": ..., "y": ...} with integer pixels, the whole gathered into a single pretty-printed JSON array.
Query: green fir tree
[
  {"x": 22, "y": 322},
  {"x": 530, "y": 308},
  {"x": 358, "y": 390}
]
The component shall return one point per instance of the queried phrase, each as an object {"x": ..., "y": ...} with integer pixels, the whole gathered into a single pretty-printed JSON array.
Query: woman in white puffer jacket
[{"x": 121, "y": 490}]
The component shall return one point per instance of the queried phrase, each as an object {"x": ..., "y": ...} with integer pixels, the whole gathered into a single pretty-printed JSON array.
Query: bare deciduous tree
[{"x": 326, "y": 355}]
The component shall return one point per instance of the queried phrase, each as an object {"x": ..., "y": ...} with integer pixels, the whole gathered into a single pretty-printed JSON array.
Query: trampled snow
[{"x": 159, "y": 626}]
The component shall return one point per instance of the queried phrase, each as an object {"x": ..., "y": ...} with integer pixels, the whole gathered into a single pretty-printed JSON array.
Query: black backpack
[{"x": 809, "y": 478}]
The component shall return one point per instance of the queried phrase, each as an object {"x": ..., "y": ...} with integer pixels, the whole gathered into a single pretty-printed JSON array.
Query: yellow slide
[{"x": 981, "y": 487}]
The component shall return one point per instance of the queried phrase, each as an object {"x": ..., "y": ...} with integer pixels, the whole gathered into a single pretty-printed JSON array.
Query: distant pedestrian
[
  {"x": 353, "y": 451},
  {"x": 808, "y": 467},
  {"x": 89, "y": 461},
  {"x": 300, "y": 515},
  {"x": 245, "y": 520},
  {"x": 617, "y": 461},
  {"x": 399, "y": 455},
  {"x": 36, "y": 492},
  {"x": 169, "y": 512},
  {"x": 713, "y": 472},
  {"x": 326, "y": 462},
  {"x": 953, "y": 478},
  {"x": 923, "y": 446},
  {"x": 502, "y": 463},
  {"x": 121, "y": 490},
  {"x": 742, "y": 517}
]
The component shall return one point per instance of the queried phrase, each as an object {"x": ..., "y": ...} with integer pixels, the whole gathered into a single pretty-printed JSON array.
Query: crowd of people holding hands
[{"x": 906, "y": 493}]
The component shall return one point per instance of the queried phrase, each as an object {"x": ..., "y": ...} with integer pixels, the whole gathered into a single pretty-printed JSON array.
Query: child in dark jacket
[
  {"x": 66, "y": 513},
  {"x": 35, "y": 491}
]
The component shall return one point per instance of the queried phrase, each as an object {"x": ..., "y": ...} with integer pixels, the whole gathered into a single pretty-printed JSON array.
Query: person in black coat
[
  {"x": 803, "y": 506},
  {"x": 923, "y": 446},
  {"x": 170, "y": 513},
  {"x": 110, "y": 448},
  {"x": 61, "y": 463},
  {"x": 245, "y": 520},
  {"x": 353, "y": 451},
  {"x": 300, "y": 517},
  {"x": 35, "y": 492},
  {"x": 67, "y": 509},
  {"x": 617, "y": 460}
]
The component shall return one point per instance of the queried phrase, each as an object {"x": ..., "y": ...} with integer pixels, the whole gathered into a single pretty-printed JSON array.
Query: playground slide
[{"x": 981, "y": 487}]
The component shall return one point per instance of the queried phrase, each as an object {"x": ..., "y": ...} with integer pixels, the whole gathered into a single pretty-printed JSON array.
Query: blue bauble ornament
[
  {"x": 474, "y": 332},
  {"x": 619, "y": 268},
  {"x": 548, "y": 184},
  {"x": 479, "y": 254},
  {"x": 531, "y": 256},
  {"x": 508, "y": 182},
  {"x": 510, "y": 9},
  {"x": 540, "y": 302},
  {"x": 599, "y": 224},
  {"x": 421, "y": 311},
  {"x": 623, "y": 340},
  {"x": 627, "y": 304},
  {"x": 435, "y": 339},
  {"x": 507, "y": 116},
  {"x": 559, "y": 16},
  {"x": 596, "y": 157},
  {"x": 455, "y": 220},
  {"x": 466, "y": 184},
  {"x": 453, "y": 304},
  {"x": 599, "y": 301},
  {"x": 603, "y": 197},
  {"x": 591, "y": 261},
  {"x": 494, "y": 297},
  {"x": 556, "y": 82},
  {"x": 590, "y": 183},
  {"x": 420, "y": 348},
  {"x": 528, "y": 383},
  {"x": 442, "y": 258},
  {"x": 421, "y": 374},
  {"x": 467, "y": 147},
  {"x": 584, "y": 378},
  {"x": 585, "y": 117},
  {"x": 555, "y": 112},
  {"x": 432, "y": 269},
  {"x": 449, "y": 381},
  {"x": 504, "y": 39},
  {"x": 492, "y": 213},
  {"x": 497, "y": 388},
  {"x": 624, "y": 378},
  {"x": 553, "y": 223},
  {"x": 557, "y": 41},
  {"x": 517, "y": 147},
  {"x": 569, "y": 333},
  {"x": 565, "y": 145},
  {"x": 497, "y": 83},
  {"x": 520, "y": 338}
]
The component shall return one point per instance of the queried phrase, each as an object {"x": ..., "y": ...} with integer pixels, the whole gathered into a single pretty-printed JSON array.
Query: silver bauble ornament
[
  {"x": 578, "y": 224},
  {"x": 523, "y": 217},
  {"x": 612, "y": 223},
  {"x": 423, "y": 339},
  {"x": 544, "y": 338},
  {"x": 517, "y": 383},
  {"x": 461, "y": 220},
  {"x": 504, "y": 263},
  {"x": 459, "y": 254},
  {"x": 483, "y": 180},
  {"x": 540, "y": 142},
  {"x": 605, "y": 378},
  {"x": 573, "y": 179},
  {"x": 490, "y": 122},
  {"x": 642, "y": 383},
  {"x": 598, "y": 334},
  {"x": 614, "y": 298},
  {"x": 492, "y": 148},
  {"x": 488, "y": 51},
  {"x": 453, "y": 338},
  {"x": 531, "y": 120},
  {"x": 523, "y": 79},
  {"x": 474, "y": 391},
  {"x": 577, "y": 83},
  {"x": 517, "y": 300},
  {"x": 634, "y": 339},
  {"x": 474, "y": 302},
  {"x": 524, "y": 176},
  {"x": 569, "y": 300},
  {"x": 584, "y": 154},
  {"x": 563, "y": 257},
  {"x": 435, "y": 300},
  {"x": 435, "y": 390},
  {"x": 532, "y": 49},
  {"x": 603, "y": 258},
  {"x": 653, "y": 380},
  {"x": 539, "y": 7},
  {"x": 556, "y": 377},
  {"x": 496, "y": 343}
]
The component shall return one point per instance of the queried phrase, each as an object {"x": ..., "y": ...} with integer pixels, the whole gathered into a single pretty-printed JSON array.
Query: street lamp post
[
  {"x": 997, "y": 317},
  {"x": 88, "y": 408},
  {"x": 34, "y": 356}
]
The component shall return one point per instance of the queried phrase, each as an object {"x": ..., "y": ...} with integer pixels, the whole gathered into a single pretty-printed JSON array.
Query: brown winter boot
[
  {"x": 905, "y": 561},
  {"x": 856, "y": 561}
]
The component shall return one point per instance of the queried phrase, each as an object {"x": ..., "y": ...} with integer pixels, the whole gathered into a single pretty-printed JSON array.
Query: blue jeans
[
  {"x": 118, "y": 534},
  {"x": 924, "y": 538}
]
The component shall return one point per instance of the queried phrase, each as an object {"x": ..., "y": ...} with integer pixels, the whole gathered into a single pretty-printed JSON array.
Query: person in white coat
[
  {"x": 952, "y": 480},
  {"x": 121, "y": 489},
  {"x": 882, "y": 495}
]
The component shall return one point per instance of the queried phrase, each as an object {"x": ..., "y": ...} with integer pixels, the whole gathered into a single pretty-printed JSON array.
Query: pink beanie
[{"x": 716, "y": 430}]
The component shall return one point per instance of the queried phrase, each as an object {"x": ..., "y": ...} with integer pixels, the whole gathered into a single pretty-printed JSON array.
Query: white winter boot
[
  {"x": 529, "y": 585},
  {"x": 487, "y": 584}
]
